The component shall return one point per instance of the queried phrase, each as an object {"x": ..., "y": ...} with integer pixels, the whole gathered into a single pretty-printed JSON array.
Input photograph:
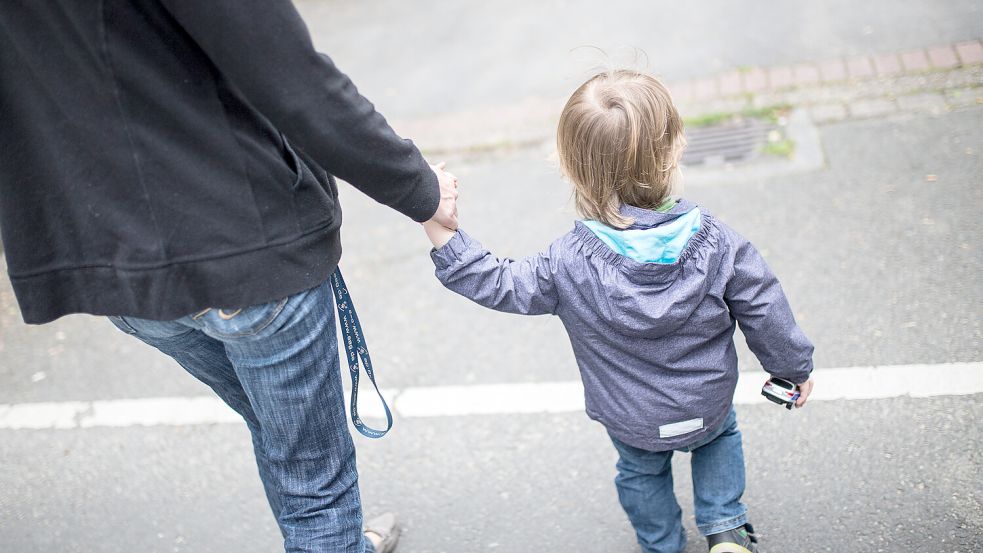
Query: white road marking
[
  {"x": 171, "y": 411},
  {"x": 853, "y": 383},
  {"x": 42, "y": 415},
  {"x": 490, "y": 399}
]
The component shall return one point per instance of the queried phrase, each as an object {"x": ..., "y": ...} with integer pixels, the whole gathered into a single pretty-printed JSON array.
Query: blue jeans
[
  {"x": 277, "y": 365},
  {"x": 644, "y": 485}
]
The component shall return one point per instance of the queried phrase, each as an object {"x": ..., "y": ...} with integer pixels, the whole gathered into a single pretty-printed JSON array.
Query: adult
[{"x": 169, "y": 163}]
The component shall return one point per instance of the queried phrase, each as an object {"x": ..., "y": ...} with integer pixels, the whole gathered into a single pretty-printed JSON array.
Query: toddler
[{"x": 649, "y": 287}]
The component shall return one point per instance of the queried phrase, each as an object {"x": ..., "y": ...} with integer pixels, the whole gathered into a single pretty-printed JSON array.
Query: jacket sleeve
[
  {"x": 757, "y": 301},
  {"x": 525, "y": 287},
  {"x": 264, "y": 48}
]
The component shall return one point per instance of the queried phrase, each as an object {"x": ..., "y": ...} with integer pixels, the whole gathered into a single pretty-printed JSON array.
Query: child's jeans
[{"x": 644, "y": 485}]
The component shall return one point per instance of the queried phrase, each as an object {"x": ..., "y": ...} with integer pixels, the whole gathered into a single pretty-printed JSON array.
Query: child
[{"x": 648, "y": 287}]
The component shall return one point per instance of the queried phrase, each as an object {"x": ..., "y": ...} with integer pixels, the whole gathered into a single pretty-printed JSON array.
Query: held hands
[
  {"x": 446, "y": 214},
  {"x": 441, "y": 227}
]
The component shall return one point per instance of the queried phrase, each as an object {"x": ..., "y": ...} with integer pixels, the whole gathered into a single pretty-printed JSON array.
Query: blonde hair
[{"x": 619, "y": 140}]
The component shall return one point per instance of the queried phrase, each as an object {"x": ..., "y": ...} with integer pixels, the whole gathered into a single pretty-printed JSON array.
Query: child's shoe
[{"x": 738, "y": 540}]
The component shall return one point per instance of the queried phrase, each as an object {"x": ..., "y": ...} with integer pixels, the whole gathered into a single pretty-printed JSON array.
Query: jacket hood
[{"x": 652, "y": 276}]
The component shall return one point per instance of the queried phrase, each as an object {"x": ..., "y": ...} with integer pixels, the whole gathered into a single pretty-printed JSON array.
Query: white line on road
[{"x": 853, "y": 383}]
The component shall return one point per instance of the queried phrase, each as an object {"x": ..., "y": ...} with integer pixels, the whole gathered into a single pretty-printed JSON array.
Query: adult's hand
[{"x": 446, "y": 215}]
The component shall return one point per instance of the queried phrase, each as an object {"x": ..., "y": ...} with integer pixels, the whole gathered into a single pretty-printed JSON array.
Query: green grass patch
[
  {"x": 781, "y": 148},
  {"x": 708, "y": 120},
  {"x": 769, "y": 113}
]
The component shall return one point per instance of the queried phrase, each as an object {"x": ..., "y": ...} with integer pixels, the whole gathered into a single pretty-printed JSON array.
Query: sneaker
[
  {"x": 385, "y": 527},
  {"x": 738, "y": 540}
]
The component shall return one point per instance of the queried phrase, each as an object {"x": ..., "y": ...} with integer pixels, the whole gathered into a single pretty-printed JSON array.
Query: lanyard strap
[{"x": 355, "y": 349}]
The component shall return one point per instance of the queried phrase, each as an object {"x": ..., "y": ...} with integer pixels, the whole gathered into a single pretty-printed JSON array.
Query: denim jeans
[
  {"x": 644, "y": 485},
  {"x": 277, "y": 365}
]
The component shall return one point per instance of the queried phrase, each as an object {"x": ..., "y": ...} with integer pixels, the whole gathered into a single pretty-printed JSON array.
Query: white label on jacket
[{"x": 678, "y": 428}]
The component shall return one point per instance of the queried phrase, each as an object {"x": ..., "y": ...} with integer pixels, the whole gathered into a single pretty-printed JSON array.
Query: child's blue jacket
[{"x": 653, "y": 340}]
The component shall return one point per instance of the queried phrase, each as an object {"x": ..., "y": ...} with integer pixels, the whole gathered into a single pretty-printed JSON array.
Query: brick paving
[
  {"x": 926, "y": 80},
  {"x": 780, "y": 77},
  {"x": 887, "y": 65},
  {"x": 755, "y": 80},
  {"x": 963, "y": 97},
  {"x": 930, "y": 102},
  {"x": 705, "y": 88},
  {"x": 943, "y": 57},
  {"x": 970, "y": 53},
  {"x": 914, "y": 60},
  {"x": 872, "y": 108},
  {"x": 826, "y": 113},
  {"x": 860, "y": 67},
  {"x": 805, "y": 74},
  {"x": 854, "y": 69},
  {"x": 832, "y": 70},
  {"x": 730, "y": 83}
]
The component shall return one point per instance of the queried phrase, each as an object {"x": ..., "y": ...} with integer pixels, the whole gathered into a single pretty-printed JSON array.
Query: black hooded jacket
[{"x": 162, "y": 156}]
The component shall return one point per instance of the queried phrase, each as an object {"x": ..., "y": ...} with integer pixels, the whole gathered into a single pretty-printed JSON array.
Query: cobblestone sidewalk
[{"x": 934, "y": 80}]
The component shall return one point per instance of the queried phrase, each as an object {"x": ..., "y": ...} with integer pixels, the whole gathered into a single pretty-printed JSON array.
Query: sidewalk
[{"x": 934, "y": 79}]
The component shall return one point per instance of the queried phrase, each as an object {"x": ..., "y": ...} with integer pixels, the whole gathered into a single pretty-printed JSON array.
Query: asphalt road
[
  {"x": 846, "y": 477},
  {"x": 882, "y": 267}
]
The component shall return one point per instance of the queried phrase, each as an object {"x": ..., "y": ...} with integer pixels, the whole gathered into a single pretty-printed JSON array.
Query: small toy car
[{"x": 781, "y": 391}]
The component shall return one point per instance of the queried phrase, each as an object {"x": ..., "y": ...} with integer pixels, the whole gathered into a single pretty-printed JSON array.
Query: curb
[{"x": 934, "y": 80}]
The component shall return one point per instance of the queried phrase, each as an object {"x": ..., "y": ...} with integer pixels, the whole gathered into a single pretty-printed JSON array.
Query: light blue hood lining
[{"x": 661, "y": 244}]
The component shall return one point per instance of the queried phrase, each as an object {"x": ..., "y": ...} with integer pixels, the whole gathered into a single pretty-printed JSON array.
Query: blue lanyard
[{"x": 356, "y": 349}]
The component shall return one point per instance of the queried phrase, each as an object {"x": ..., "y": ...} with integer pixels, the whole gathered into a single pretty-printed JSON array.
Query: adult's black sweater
[{"x": 162, "y": 156}]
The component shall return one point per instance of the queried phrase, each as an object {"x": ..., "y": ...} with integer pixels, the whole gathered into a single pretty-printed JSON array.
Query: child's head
[{"x": 619, "y": 141}]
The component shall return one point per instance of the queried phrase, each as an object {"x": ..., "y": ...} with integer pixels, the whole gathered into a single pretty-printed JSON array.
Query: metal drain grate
[{"x": 729, "y": 142}]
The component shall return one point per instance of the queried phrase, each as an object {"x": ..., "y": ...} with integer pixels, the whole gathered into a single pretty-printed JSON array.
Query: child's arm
[
  {"x": 464, "y": 266},
  {"x": 438, "y": 233},
  {"x": 757, "y": 301}
]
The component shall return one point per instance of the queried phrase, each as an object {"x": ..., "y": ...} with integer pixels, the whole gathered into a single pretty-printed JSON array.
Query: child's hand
[{"x": 804, "y": 390}]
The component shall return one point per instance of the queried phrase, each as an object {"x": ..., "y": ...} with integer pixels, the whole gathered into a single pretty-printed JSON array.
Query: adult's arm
[{"x": 264, "y": 48}]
